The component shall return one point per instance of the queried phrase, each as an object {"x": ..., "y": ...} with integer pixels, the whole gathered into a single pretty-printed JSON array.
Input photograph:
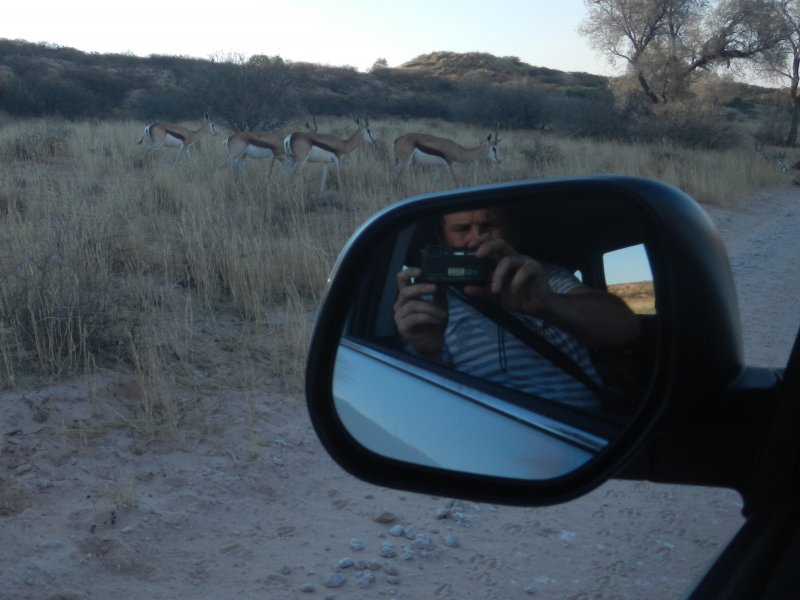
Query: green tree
[
  {"x": 665, "y": 43},
  {"x": 241, "y": 93},
  {"x": 380, "y": 63},
  {"x": 782, "y": 62}
]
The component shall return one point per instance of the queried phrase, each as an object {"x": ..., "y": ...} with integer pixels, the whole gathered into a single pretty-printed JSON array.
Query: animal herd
[{"x": 295, "y": 150}]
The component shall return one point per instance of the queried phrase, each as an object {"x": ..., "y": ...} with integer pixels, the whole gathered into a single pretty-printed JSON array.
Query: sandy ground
[{"x": 250, "y": 506}]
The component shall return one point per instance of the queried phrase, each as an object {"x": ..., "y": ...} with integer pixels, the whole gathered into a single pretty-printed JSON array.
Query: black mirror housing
[{"x": 697, "y": 345}]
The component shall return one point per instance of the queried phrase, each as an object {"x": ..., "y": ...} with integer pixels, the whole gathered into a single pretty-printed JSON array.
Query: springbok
[
  {"x": 780, "y": 158},
  {"x": 248, "y": 144},
  {"x": 303, "y": 147},
  {"x": 161, "y": 135},
  {"x": 429, "y": 149}
]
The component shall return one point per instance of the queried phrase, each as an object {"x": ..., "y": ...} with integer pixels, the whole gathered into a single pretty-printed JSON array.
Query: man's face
[{"x": 459, "y": 229}]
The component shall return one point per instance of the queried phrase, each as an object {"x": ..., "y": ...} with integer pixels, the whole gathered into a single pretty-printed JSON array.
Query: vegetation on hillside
[{"x": 265, "y": 93}]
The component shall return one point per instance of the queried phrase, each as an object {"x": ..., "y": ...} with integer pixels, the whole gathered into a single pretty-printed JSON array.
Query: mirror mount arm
[{"x": 724, "y": 448}]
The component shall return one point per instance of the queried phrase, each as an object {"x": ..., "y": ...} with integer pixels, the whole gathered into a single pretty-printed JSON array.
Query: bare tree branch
[{"x": 663, "y": 42}]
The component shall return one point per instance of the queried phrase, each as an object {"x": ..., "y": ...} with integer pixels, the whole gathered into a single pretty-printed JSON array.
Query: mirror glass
[{"x": 510, "y": 339}]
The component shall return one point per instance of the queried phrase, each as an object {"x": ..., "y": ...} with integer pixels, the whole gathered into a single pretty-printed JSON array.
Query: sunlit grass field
[{"x": 112, "y": 258}]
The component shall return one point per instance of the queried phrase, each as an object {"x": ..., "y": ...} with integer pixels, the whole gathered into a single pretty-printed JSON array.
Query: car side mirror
[{"x": 504, "y": 400}]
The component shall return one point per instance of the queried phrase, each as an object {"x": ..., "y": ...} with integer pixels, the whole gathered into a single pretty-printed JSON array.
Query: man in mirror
[{"x": 447, "y": 325}]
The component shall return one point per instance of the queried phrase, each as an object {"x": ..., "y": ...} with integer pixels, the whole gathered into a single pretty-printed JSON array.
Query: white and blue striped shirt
[{"x": 476, "y": 345}]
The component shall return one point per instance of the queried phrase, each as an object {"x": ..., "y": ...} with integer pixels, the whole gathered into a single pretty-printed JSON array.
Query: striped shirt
[{"x": 476, "y": 345}]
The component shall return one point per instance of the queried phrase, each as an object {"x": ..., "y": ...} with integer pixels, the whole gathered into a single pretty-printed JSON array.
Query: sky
[{"x": 332, "y": 32}]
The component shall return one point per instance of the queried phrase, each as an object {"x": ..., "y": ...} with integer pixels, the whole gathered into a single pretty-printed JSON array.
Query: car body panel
[{"x": 407, "y": 413}]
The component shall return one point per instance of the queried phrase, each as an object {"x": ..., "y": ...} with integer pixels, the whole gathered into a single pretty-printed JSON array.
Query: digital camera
[{"x": 454, "y": 266}]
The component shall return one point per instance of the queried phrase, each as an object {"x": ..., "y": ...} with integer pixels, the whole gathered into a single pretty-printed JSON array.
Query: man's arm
[{"x": 593, "y": 317}]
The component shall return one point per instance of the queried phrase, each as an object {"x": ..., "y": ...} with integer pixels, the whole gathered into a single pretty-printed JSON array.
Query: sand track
[{"x": 254, "y": 508}]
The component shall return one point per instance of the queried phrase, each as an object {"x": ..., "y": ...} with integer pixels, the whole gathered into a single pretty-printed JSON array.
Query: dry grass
[
  {"x": 639, "y": 296},
  {"x": 109, "y": 257}
]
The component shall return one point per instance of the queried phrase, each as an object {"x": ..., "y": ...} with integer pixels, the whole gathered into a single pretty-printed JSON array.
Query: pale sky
[{"x": 333, "y": 32}]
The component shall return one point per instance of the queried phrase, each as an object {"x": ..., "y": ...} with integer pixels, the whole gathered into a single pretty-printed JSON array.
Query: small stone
[
  {"x": 388, "y": 550},
  {"x": 397, "y": 530},
  {"x": 410, "y": 532},
  {"x": 286, "y": 570},
  {"x": 346, "y": 563},
  {"x": 442, "y": 513},
  {"x": 333, "y": 580},
  {"x": 307, "y": 588},
  {"x": 384, "y": 516},
  {"x": 451, "y": 541},
  {"x": 364, "y": 578},
  {"x": 373, "y": 565},
  {"x": 356, "y": 545},
  {"x": 422, "y": 542},
  {"x": 392, "y": 579}
]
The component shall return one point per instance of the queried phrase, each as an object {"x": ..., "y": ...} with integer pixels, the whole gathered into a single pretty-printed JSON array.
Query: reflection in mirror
[
  {"x": 628, "y": 276},
  {"x": 513, "y": 340}
]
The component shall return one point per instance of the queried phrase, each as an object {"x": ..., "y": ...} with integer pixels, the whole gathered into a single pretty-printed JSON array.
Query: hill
[
  {"x": 487, "y": 68},
  {"x": 265, "y": 92}
]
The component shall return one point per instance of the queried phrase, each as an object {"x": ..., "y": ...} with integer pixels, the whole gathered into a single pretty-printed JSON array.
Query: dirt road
[
  {"x": 252, "y": 507},
  {"x": 764, "y": 248}
]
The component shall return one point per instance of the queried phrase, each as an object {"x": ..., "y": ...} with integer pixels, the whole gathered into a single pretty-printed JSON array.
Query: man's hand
[
  {"x": 518, "y": 282},
  {"x": 421, "y": 322}
]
